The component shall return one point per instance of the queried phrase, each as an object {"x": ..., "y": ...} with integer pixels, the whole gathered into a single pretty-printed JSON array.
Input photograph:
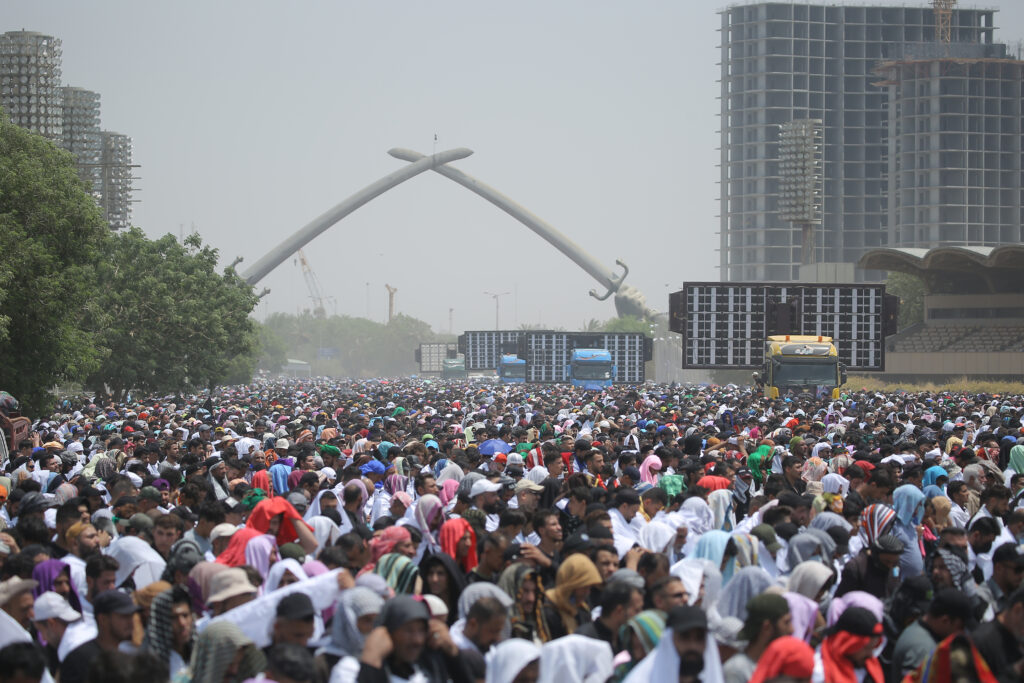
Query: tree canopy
[
  {"x": 118, "y": 311},
  {"x": 911, "y": 291},
  {"x": 51, "y": 236},
  {"x": 174, "y": 322}
]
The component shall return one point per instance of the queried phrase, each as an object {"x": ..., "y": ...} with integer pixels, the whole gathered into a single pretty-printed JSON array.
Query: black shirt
[
  {"x": 598, "y": 631},
  {"x": 75, "y": 667},
  {"x": 999, "y": 648}
]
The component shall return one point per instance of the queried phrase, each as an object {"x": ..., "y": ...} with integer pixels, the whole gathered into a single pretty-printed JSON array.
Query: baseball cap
[
  {"x": 298, "y": 500},
  {"x": 372, "y": 467},
  {"x": 482, "y": 486},
  {"x": 222, "y": 530},
  {"x": 766, "y": 534},
  {"x": 527, "y": 485},
  {"x": 628, "y": 577},
  {"x": 685, "y": 618},
  {"x": 632, "y": 472},
  {"x": 49, "y": 605},
  {"x": 114, "y": 602},
  {"x": 888, "y": 543},
  {"x": 140, "y": 521},
  {"x": 761, "y": 608},
  {"x": 856, "y": 620},
  {"x": 150, "y": 493},
  {"x": 34, "y": 502}
]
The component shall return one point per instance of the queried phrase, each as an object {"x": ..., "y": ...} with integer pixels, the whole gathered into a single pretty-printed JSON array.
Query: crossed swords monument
[{"x": 629, "y": 301}]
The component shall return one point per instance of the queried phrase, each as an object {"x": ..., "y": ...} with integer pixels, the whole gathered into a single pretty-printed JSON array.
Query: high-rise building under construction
[
  {"x": 32, "y": 96},
  {"x": 920, "y": 132}
]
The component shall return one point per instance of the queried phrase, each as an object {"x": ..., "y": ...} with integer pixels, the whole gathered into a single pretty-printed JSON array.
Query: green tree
[
  {"x": 51, "y": 232},
  {"x": 169, "y": 319},
  {"x": 911, "y": 291},
  {"x": 627, "y": 324}
]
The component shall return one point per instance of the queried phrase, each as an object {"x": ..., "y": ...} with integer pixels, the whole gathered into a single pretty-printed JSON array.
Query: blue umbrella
[{"x": 492, "y": 446}]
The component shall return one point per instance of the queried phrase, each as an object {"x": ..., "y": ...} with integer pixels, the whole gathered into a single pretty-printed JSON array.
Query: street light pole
[{"x": 497, "y": 307}]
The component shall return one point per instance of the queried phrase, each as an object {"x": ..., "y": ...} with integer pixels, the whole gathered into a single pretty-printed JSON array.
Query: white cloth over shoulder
[
  {"x": 12, "y": 632},
  {"x": 137, "y": 559},
  {"x": 576, "y": 659},
  {"x": 255, "y": 618},
  {"x": 626, "y": 535},
  {"x": 662, "y": 664}
]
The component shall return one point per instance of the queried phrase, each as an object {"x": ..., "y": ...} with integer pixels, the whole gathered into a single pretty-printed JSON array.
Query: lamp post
[
  {"x": 799, "y": 198},
  {"x": 497, "y": 307}
]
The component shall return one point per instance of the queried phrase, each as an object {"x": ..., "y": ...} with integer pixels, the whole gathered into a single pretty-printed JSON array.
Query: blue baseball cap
[{"x": 372, "y": 467}]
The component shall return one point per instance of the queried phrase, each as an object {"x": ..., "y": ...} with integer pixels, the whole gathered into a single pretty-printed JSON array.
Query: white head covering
[
  {"x": 137, "y": 559},
  {"x": 835, "y": 483},
  {"x": 277, "y": 571},
  {"x": 538, "y": 474},
  {"x": 691, "y": 573},
  {"x": 577, "y": 659},
  {"x": 721, "y": 506},
  {"x": 657, "y": 536},
  {"x": 662, "y": 664},
  {"x": 325, "y": 531},
  {"x": 505, "y": 660}
]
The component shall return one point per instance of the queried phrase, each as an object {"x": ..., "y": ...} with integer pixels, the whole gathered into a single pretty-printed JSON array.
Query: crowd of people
[{"x": 389, "y": 531}]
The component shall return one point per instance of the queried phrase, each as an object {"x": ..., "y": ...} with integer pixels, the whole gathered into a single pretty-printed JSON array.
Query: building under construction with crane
[{"x": 921, "y": 133}]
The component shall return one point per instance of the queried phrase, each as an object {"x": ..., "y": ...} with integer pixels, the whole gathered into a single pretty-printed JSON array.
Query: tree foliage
[
  {"x": 169, "y": 319},
  {"x": 51, "y": 232},
  {"x": 627, "y": 324},
  {"x": 344, "y": 346},
  {"x": 911, "y": 291}
]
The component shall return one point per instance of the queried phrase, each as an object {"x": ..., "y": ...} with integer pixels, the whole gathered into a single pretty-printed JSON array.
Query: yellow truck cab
[{"x": 801, "y": 364}]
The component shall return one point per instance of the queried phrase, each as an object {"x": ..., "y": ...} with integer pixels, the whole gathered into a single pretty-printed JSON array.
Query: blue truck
[
  {"x": 512, "y": 369},
  {"x": 591, "y": 368}
]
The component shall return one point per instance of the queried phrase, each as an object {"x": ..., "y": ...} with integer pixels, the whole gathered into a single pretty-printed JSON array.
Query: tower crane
[
  {"x": 943, "y": 20},
  {"x": 313, "y": 285}
]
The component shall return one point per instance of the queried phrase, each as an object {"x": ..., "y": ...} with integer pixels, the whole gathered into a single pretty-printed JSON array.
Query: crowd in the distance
[{"x": 391, "y": 531}]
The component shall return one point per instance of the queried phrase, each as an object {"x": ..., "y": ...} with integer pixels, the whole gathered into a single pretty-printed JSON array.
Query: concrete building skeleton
[{"x": 785, "y": 61}]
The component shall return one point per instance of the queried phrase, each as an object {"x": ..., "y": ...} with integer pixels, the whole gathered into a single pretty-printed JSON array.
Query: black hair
[
  {"x": 97, "y": 564},
  {"x": 985, "y": 526},
  {"x": 994, "y": 491},
  {"x": 616, "y": 593},
  {"x": 485, "y": 609},
  {"x": 291, "y": 661},
  {"x": 332, "y": 556},
  {"x": 212, "y": 511},
  {"x": 657, "y": 494},
  {"x": 651, "y": 562},
  {"x": 21, "y": 660}
]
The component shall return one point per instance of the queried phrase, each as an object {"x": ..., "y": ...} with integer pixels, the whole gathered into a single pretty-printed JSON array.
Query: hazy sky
[{"x": 251, "y": 118}]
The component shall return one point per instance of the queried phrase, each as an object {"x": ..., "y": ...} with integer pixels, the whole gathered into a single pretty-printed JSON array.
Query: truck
[
  {"x": 801, "y": 364},
  {"x": 591, "y": 368},
  {"x": 13, "y": 426},
  {"x": 511, "y": 369},
  {"x": 453, "y": 368}
]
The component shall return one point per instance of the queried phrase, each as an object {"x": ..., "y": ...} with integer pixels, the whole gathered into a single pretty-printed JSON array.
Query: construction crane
[
  {"x": 943, "y": 20},
  {"x": 313, "y": 285},
  {"x": 391, "y": 301}
]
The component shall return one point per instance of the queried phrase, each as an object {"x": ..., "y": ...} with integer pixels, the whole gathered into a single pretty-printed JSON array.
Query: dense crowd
[{"x": 388, "y": 531}]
